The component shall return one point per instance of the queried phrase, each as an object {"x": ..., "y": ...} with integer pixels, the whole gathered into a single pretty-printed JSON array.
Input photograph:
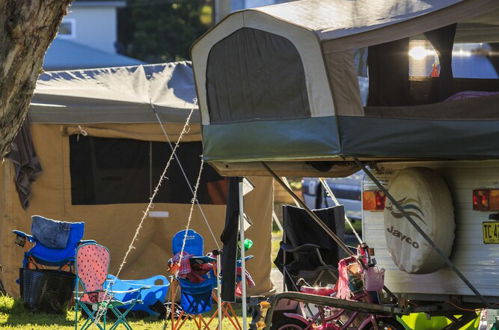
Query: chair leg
[
  {"x": 90, "y": 319},
  {"x": 206, "y": 324},
  {"x": 232, "y": 316},
  {"x": 181, "y": 321},
  {"x": 121, "y": 318},
  {"x": 76, "y": 315}
]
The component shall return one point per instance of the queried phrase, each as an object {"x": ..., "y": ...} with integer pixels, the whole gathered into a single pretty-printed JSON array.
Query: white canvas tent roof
[{"x": 115, "y": 95}]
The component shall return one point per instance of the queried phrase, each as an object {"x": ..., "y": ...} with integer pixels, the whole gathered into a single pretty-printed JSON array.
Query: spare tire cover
[{"x": 424, "y": 195}]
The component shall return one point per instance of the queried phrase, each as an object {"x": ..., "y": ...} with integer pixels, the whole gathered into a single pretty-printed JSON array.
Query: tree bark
[{"x": 28, "y": 28}]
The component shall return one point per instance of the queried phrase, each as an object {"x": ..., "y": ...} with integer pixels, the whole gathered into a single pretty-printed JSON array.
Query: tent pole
[
  {"x": 243, "y": 262},
  {"x": 219, "y": 292},
  {"x": 421, "y": 232}
]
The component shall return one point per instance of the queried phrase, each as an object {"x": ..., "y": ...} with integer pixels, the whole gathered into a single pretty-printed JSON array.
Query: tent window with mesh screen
[{"x": 117, "y": 171}]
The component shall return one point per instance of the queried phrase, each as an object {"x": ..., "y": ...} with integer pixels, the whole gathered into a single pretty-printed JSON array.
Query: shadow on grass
[
  {"x": 18, "y": 315},
  {"x": 38, "y": 319}
]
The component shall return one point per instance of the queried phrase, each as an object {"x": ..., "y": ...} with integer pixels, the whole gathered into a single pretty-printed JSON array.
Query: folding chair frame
[{"x": 110, "y": 304}]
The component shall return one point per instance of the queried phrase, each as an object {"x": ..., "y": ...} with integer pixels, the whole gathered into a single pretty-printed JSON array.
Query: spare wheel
[{"x": 424, "y": 195}]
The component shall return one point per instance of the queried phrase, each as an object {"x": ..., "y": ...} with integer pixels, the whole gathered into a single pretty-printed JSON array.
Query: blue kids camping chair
[
  {"x": 195, "y": 297},
  {"x": 152, "y": 295},
  {"x": 55, "y": 242},
  {"x": 47, "y": 273}
]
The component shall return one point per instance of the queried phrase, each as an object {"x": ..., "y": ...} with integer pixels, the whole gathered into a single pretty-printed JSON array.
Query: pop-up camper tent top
[
  {"x": 282, "y": 82},
  {"x": 102, "y": 150},
  {"x": 284, "y": 85}
]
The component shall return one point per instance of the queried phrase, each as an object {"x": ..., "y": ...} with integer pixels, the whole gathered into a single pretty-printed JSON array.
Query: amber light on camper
[
  {"x": 373, "y": 200},
  {"x": 486, "y": 199}
]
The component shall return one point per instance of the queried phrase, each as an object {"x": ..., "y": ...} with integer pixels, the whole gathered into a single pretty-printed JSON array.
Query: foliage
[{"x": 162, "y": 30}]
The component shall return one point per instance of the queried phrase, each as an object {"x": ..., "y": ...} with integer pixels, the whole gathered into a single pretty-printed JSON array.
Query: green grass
[
  {"x": 14, "y": 316},
  {"x": 357, "y": 225}
]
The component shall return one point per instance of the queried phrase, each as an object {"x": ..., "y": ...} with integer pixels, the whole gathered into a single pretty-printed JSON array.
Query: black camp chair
[{"x": 307, "y": 253}]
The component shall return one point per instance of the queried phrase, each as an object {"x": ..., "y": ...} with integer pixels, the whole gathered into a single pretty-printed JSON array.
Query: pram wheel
[
  {"x": 288, "y": 324},
  {"x": 387, "y": 323}
]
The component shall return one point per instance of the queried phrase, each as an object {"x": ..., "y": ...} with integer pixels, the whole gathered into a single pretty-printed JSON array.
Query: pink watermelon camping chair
[{"x": 92, "y": 265}]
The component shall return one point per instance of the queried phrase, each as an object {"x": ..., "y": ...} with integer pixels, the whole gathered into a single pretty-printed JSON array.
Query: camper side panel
[{"x": 478, "y": 261}]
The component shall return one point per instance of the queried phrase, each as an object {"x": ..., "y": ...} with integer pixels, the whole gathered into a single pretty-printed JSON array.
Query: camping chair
[
  {"x": 92, "y": 264},
  {"x": 307, "y": 254},
  {"x": 46, "y": 277},
  {"x": 195, "y": 291},
  {"x": 152, "y": 297},
  {"x": 52, "y": 243}
]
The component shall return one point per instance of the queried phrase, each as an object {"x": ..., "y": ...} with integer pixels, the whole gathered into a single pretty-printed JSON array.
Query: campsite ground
[{"x": 14, "y": 316}]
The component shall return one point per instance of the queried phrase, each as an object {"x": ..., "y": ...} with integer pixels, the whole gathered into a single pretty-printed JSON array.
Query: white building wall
[{"x": 95, "y": 27}]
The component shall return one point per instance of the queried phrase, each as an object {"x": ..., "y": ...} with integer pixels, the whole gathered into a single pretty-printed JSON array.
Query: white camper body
[{"x": 478, "y": 261}]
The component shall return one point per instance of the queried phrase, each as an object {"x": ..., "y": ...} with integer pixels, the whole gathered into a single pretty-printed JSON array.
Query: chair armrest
[
  {"x": 246, "y": 258},
  {"x": 300, "y": 248},
  {"x": 85, "y": 241},
  {"x": 22, "y": 234},
  {"x": 132, "y": 290}
]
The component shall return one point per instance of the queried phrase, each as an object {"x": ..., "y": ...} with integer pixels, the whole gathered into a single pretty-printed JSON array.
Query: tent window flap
[{"x": 117, "y": 171}]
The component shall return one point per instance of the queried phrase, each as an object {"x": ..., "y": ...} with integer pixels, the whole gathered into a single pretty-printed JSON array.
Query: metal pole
[
  {"x": 336, "y": 203},
  {"x": 243, "y": 262},
  {"x": 219, "y": 292},
  {"x": 421, "y": 232}
]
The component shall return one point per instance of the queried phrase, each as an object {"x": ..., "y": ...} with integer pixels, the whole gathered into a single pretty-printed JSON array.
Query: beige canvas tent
[{"x": 101, "y": 149}]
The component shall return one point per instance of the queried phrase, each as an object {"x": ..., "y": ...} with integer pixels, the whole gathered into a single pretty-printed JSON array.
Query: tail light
[
  {"x": 486, "y": 199},
  {"x": 373, "y": 200}
]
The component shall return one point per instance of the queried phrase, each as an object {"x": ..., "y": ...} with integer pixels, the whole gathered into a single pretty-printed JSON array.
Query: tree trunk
[{"x": 28, "y": 28}]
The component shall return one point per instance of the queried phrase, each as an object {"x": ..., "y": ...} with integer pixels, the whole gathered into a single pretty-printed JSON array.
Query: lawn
[{"x": 14, "y": 316}]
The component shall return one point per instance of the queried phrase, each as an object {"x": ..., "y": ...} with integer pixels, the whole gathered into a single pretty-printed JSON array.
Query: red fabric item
[
  {"x": 182, "y": 261},
  {"x": 198, "y": 270},
  {"x": 435, "y": 71},
  {"x": 321, "y": 291},
  {"x": 249, "y": 281}
]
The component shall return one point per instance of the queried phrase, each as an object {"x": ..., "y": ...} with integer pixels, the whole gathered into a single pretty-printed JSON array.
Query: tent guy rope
[
  {"x": 193, "y": 201},
  {"x": 203, "y": 215},
  {"x": 155, "y": 192},
  {"x": 102, "y": 308}
]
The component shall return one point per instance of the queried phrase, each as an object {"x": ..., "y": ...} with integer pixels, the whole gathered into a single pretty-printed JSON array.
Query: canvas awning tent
[
  {"x": 281, "y": 84},
  {"x": 101, "y": 149}
]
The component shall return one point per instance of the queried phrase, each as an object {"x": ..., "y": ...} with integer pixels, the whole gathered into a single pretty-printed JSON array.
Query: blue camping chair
[
  {"x": 195, "y": 298},
  {"x": 55, "y": 242},
  {"x": 152, "y": 294},
  {"x": 46, "y": 277}
]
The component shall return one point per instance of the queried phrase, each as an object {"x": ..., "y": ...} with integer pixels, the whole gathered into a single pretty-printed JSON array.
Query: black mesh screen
[
  {"x": 117, "y": 171},
  {"x": 255, "y": 75}
]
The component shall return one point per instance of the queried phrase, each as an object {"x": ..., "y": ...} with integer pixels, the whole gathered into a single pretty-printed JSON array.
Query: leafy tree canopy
[{"x": 162, "y": 30}]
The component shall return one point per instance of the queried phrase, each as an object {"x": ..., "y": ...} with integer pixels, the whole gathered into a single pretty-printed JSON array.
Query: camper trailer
[{"x": 325, "y": 88}]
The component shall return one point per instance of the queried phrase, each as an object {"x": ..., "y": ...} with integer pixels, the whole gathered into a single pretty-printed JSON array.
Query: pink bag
[{"x": 374, "y": 278}]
